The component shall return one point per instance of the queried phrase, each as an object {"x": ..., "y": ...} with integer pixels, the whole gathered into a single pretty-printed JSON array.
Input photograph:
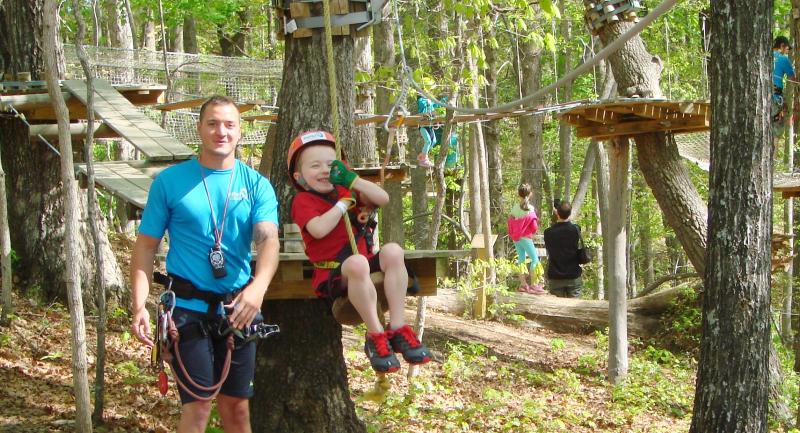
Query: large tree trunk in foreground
[
  {"x": 301, "y": 379},
  {"x": 732, "y": 390},
  {"x": 35, "y": 201}
]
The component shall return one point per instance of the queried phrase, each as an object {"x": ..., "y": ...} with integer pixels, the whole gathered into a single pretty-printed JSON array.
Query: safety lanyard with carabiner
[{"x": 166, "y": 305}]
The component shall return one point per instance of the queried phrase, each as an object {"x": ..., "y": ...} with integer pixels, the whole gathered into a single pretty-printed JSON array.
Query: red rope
[{"x": 175, "y": 336}]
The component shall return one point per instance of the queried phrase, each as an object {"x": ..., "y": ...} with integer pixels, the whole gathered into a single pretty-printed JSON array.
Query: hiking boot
[
  {"x": 380, "y": 354},
  {"x": 423, "y": 161},
  {"x": 405, "y": 341}
]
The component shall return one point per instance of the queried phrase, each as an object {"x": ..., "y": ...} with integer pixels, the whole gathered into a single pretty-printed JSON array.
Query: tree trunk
[
  {"x": 71, "y": 276},
  {"x": 603, "y": 207},
  {"x": 530, "y": 127},
  {"x": 367, "y": 153},
  {"x": 5, "y": 253},
  {"x": 383, "y": 48},
  {"x": 491, "y": 135},
  {"x": 35, "y": 199},
  {"x": 482, "y": 169},
  {"x": 637, "y": 73},
  {"x": 233, "y": 44},
  {"x": 565, "y": 130},
  {"x": 419, "y": 193},
  {"x": 149, "y": 33},
  {"x": 120, "y": 34},
  {"x": 301, "y": 379},
  {"x": 473, "y": 177},
  {"x": 190, "y": 35},
  {"x": 732, "y": 390},
  {"x": 92, "y": 216},
  {"x": 619, "y": 157}
]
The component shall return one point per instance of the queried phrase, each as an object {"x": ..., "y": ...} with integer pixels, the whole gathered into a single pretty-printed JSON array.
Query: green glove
[{"x": 341, "y": 175}]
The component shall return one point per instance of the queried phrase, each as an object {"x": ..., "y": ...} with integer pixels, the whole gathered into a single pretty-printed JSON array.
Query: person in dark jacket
[{"x": 561, "y": 242}]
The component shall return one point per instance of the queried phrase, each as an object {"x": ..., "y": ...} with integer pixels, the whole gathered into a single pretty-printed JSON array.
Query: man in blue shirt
[
  {"x": 213, "y": 207},
  {"x": 781, "y": 67}
]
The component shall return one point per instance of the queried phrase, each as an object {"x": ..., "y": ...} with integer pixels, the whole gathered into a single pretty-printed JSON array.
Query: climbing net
[{"x": 191, "y": 76}]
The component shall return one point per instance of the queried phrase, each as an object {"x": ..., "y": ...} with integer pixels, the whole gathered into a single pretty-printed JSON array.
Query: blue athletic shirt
[
  {"x": 780, "y": 66},
  {"x": 178, "y": 204}
]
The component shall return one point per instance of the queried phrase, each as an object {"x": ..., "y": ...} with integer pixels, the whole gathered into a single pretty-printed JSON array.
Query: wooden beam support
[
  {"x": 76, "y": 130},
  {"x": 642, "y": 127}
]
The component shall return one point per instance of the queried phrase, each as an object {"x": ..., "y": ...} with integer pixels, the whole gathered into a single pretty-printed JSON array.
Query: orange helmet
[{"x": 304, "y": 139}]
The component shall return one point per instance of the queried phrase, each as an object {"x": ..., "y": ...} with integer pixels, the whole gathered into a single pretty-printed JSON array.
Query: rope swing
[{"x": 326, "y": 8}]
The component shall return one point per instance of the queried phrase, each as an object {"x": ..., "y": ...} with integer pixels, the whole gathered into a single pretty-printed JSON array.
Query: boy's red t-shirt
[{"x": 307, "y": 206}]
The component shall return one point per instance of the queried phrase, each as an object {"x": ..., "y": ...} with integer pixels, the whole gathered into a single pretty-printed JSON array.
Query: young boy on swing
[{"x": 328, "y": 191}]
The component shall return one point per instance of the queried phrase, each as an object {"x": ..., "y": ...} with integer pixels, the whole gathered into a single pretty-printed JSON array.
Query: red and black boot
[
  {"x": 405, "y": 341},
  {"x": 380, "y": 355}
]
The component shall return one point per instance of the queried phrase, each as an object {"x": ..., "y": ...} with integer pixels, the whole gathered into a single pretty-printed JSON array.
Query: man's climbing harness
[{"x": 168, "y": 338}]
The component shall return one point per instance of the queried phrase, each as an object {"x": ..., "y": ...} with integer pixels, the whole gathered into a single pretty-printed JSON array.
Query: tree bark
[
  {"x": 530, "y": 127},
  {"x": 301, "y": 379},
  {"x": 565, "y": 130},
  {"x": 637, "y": 74},
  {"x": 419, "y": 192},
  {"x": 71, "y": 276},
  {"x": 367, "y": 152},
  {"x": 619, "y": 157},
  {"x": 120, "y": 35},
  {"x": 190, "y": 35},
  {"x": 491, "y": 135},
  {"x": 34, "y": 188},
  {"x": 233, "y": 44},
  {"x": 732, "y": 390},
  {"x": 5, "y": 253},
  {"x": 668, "y": 178},
  {"x": 149, "y": 33},
  {"x": 603, "y": 205},
  {"x": 383, "y": 48},
  {"x": 93, "y": 216}
]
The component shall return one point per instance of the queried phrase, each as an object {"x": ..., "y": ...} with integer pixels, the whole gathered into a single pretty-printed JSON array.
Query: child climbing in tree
[
  {"x": 522, "y": 225},
  {"x": 426, "y": 107},
  {"x": 329, "y": 191}
]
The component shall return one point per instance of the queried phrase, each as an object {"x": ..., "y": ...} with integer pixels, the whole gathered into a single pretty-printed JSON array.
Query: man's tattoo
[{"x": 261, "y": 232}]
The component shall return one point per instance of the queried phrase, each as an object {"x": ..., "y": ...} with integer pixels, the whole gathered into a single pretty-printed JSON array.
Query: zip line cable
[{"x": 659, "y": 10}]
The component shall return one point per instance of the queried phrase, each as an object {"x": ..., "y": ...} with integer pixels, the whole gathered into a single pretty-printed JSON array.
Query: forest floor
[{"x": 486, "y": 377}]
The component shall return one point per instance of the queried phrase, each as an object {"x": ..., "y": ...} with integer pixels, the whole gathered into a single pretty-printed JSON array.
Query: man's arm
[
  {"x": 144, "y": 253},
  {"x": 248, "y": 303}
]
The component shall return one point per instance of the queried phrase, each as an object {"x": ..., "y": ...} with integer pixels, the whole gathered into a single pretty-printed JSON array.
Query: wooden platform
[
  {"x": 631, "y": 116},
  {"x": 35, "y": 104},
  {"x": 130, "y": 123},
  {"x": 788, "y": 184},
  {"x": 127, "y": 180},
  {"x": 293, "y": 280}
]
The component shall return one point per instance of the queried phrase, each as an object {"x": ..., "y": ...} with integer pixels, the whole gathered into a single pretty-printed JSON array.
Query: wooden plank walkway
[
  {"x": 121, "y": 116},
  {"x": 128, "y": 180}
]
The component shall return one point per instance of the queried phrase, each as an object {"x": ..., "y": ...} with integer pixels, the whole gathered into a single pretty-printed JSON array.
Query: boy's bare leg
[
  {"x": 194, "y": 417},
  {"x": 395, "y": 282},
  {"x": 361, "y": 291}
]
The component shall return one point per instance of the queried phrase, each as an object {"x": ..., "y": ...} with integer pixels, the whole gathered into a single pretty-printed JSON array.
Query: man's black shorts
[{"x": 203, "y": 357}]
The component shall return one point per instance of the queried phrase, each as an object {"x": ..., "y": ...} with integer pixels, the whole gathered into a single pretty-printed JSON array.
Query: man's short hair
[
  {"x": 564, "y": 209},
  {"x": 215, "y": 100},
  {"x": 780, "y": 41}
]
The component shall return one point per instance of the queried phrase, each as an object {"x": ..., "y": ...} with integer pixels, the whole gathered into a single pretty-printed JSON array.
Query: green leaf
[
  {"x": 550, "y": 42},
  {"x": 549, "y": 8}
]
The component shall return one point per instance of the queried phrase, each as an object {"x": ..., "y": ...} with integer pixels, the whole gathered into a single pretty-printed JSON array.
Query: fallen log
[{"x": 581, "y": 315}]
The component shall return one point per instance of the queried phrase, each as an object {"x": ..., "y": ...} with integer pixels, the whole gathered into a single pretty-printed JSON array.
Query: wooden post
[
  {"x": 619, "y": 155},
  {"x": 481, "y": 252}
]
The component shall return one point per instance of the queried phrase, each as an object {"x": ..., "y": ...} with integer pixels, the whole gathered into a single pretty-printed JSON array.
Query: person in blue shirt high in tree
[{"x": 781, "y": 67}]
